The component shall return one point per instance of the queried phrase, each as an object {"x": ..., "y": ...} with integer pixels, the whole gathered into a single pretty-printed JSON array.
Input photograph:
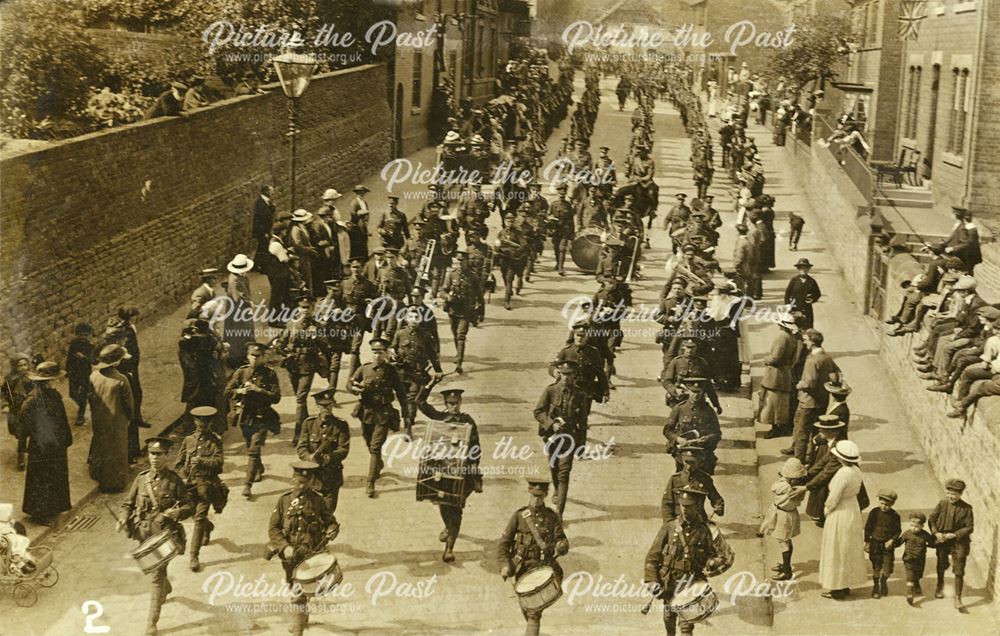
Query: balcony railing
[{"x": 854, "y": 165}]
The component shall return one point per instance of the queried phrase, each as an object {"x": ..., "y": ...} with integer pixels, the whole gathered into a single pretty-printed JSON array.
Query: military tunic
[
  {"x": 326, "y": 440},
  {"x": 199, "y": 463},
  {"x": 696, "y": 422}
]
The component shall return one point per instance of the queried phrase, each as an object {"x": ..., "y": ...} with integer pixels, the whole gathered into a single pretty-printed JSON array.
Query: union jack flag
[{"x": 911, "y": 13}]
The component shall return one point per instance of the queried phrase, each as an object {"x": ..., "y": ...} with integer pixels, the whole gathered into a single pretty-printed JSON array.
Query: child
[
  {"x": 916, "y": 540},
  {"x": 21, "y": 562},
  {"x": 79, "y": 359},
  {"x": 951, "y": 524},
  {"x": 782, "y": 520},
  {"x": 882, "y": 531},
  {"x": 796, "y": 223}
]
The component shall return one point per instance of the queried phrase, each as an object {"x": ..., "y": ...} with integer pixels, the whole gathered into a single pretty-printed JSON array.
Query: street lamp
[{"x": 295, "y": 71}]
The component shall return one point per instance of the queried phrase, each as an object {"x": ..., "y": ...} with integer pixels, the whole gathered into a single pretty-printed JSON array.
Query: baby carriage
[{"x": 22, "y": 572}]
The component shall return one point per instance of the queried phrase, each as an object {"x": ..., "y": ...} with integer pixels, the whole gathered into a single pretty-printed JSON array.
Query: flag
[{"x": 911, "y": 13}]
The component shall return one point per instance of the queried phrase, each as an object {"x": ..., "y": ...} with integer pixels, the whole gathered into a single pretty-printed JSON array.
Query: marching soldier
[
  {"x": 414, "y": 349},
  {"x": 481, "y": 258},
  {"x": 299, "y": 528},
  {"x": 690, "y": 475},
  {"x": 251, "y": 391},
  {"x": 681, "y": 551},
  {"x": 677, "y": 219},
  {"x": 338, "y": 328},
  {"x": 377, "y": 382},
  {"x": 393, "y": 283},
  {"x": 435, "y": 229},
  {"x": 687, "y": 364},
  {"x": 157, "y": 502},
  {"x": 303, "y": 346},
  {"x": 610, "y": 261},
  {"x": 533, "y": 537},
  {"x": 590, "y": 362},
  {"x": 393, "y": 227},
  {"x": 694, "y": 422},
  {"x": 199, "y": 465},
  {"x": 452, "y": 515},
  {"x": 560, "y": 226},
  {"x": 561, "y": 413},
  {"x": 463, "y": 295},
  {"x": 326, "y": 440},
  {"x": 358, "y": 292},
  {"x": 512, "y": 250}
]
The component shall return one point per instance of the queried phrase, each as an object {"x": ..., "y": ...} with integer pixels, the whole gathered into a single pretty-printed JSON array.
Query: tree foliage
[{"x": 820, "y": 42}]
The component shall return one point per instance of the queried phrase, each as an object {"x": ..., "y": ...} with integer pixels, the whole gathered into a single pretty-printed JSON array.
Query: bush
[
  {"x": 106, "y": 109},
  {"x": 47, "y": 68}
]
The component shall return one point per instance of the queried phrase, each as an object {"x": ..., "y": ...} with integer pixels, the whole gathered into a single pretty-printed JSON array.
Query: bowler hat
[{"x": 803, "y": 262}]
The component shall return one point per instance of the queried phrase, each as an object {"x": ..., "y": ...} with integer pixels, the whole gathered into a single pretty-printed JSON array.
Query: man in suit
[
  {"x": 963, "y": 242},
  {"x": 206, "y": 291},
  {"x": 777, "y": 381},
  {"x": 263, "y": 219},
  {"x": 813, "y": 398},
  {"x": 967, "y": 326},
  {"x": 803, "y": 291}
]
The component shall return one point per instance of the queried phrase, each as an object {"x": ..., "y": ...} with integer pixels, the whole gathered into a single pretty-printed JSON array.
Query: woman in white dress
[{"x": 842, "y": 552}]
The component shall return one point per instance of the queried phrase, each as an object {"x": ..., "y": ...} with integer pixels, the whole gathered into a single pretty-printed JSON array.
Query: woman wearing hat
[
  {"x": 111, "y": 408},
  {"x": 238, "y": 329},
  {"x": 842, "y": 557},
  {"x": 359, "y": 223},
  {"x": 45, "y": 431},
  {"x": 14, "y": 391},
  {"x": 802, "y": 291}
]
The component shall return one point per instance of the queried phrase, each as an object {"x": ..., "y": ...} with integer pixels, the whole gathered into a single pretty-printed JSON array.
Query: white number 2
[{"x": 98, "y": 611}]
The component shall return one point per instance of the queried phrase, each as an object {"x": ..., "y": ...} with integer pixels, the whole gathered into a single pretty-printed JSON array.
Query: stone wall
[
  {"x": 970, "y": 451},
  {"x": 131, "y": 214}
]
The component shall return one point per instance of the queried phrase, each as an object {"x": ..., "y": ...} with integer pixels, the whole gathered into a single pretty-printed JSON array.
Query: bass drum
[{"x": 586, "y": 248}]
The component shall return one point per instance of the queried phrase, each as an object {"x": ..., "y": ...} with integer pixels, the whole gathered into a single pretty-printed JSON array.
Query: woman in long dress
[
  {"x": 45, "y": 430},
  {"x": 238, "y": 329},
  {"x": 111, "y": 410},
  {"x": 842, "y": 552}
]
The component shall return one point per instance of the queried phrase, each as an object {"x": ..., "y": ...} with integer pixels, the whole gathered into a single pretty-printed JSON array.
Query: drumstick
[
  {"x": 645, "y": 610},
  {"x": 120, "y": 524}
]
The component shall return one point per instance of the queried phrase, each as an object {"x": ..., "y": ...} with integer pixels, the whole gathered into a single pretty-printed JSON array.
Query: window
[
  {"x": 418, "y": 73},
  {"x": 453, "y": 64},
  {"x": 481, "y": 41},
  {"x": 959, "y": 111},
  {"x": 913, "y": 103}
]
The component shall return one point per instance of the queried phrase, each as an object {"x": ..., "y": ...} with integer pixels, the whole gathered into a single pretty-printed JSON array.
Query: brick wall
[
  {"x": 971, "y": 452},
  {"x": 131, "y": 214}
]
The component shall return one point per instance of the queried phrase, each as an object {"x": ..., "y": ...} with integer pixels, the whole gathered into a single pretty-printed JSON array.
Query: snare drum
[
  {"x": 537, "y": 589},
  {"x": 156, "y": 551},
  {"x": 695, "y": 602},
  {"x": 318, "y": 574}
]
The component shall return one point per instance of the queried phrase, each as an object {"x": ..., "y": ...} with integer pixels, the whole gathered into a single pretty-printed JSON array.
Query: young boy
[
  {"x": 795, "y": 223},
  {"x": 882, "y": 531},
  {"x": 951, "y": 523},
  {"x": 916, "y": 540},
  {"x": 79, "y": 358}
]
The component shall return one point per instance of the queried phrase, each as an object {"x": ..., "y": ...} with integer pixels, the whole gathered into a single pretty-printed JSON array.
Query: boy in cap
[
  {"x": 157, "y": 501},
  {"x": 882, "y": 530},
  {"x": 916, "y": 541},
  {"x": 795, "y": 225},
  {"x": 533, "y": 537},
  {"x": 80, "y": 357},
  {"x": 326, "y": 440},
  {"x": 300, "y": 526},
  {"x": 951, "y": 523},
  {"x": 199, "y": 463}
]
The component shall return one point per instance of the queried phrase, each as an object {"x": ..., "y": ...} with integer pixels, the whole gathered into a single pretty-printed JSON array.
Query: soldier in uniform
[
  {"x": 677, "y": 219},
  {"x": 414, "y": 349},
  {"x": 590, "y": 362},
  {"x": 452, "y": 515},
  {"x": 610, "y": 262},
  {"x": 251, "y": 391},
  {"x": 304, "y": 348},
  {"x": 561, "y": 413},
  {"x": 694, "y": 422},
  {"x": 299, "y": 528},
  {"x": 338, "y": 328},
  {"x": 199, "y": 465},
  {"x": 393, "y": 283},
  {"x": 512, "y": 250},
  {"x": 560, "y": 226},
  {"x": 358, "y": 292},
  {"x": 687, "y": 364},
  {"x": 681, "y": 551},
  {"x": 393, "y": 227},
  {"x": 157, "y": 502},
  {"x": 463, "y": 294},
  {"x": 481, "y": 259},
  {"x": 435, "y": 229},
  {"x": 326, "y": 440},
  {"x": 690, "y": 475},
  {"x": 377, "y": 382},
  {"x": 533, "y": 537}
]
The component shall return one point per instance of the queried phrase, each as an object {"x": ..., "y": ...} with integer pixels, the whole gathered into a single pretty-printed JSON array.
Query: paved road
[{"x": 389, "y": 545}]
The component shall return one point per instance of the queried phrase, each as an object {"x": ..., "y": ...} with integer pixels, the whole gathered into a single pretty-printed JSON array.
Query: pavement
[{"x": 395, "y": 581}]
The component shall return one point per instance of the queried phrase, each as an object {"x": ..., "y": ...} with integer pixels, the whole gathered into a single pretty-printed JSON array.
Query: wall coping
[{"x": 17, "y": 153}]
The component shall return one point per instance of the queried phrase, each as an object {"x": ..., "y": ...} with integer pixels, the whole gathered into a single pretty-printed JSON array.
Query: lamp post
[{"x": 295, "y": 71}]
